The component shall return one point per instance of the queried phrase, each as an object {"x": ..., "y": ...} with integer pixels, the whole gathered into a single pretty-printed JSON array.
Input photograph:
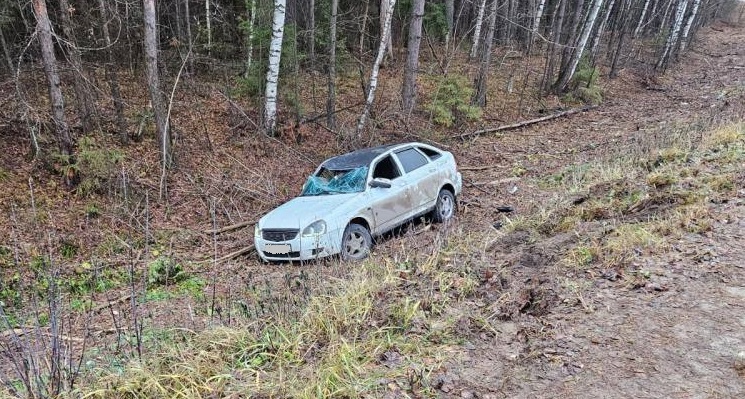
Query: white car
[{"x": 356, "y": 196}]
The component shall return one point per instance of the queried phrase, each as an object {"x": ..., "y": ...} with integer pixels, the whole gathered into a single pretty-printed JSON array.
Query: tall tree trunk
[
  {"x": 408, "y": 92},
  {"x": 384, "y": 39},
  {"x": 689, "y": 23},
  {"x": 565, "y": 75},
  {"x": 312, "y": 27},
  {"x": 208, "y": 22},
  {"x": 385, "y": 10},
  {"x": 641, "y": 19},
  {"x": 251, "y": 8},
  {"x": 82, "y": 94},
  {"x": 153, "y": 83},
  {"x": 6, "y": 51},
  {"x": 477, "y": 29},
  {"x": 187, "y": 17},
  {"x": 272, "y": 75},
  {"x": 56, "y": 100},
  {"x": 331, "y": 100},
  {"x": 672, "y": 39},
  {"x": 479, "y": 98},
  {"x": 571, "y": 40},
  {"x": 449, "y": 18},
  {"x": 536, "y": 20},
  {"x": 112, "y": 75},
  {"x": 363, "y": 31},
  {"x": 557, "y": 26},
  {"x": 600, "y": 30}
]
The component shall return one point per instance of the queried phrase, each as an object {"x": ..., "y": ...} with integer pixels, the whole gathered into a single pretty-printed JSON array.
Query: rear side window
[
  {"x": 411, "y": 159},
  {"x": 431, "y": 154}
]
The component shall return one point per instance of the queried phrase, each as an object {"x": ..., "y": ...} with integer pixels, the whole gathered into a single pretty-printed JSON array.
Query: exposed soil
[{"x": 676, "y": 335}]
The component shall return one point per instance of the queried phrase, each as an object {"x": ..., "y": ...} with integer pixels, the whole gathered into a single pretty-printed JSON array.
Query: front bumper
[{"x": 300, "y": 248}]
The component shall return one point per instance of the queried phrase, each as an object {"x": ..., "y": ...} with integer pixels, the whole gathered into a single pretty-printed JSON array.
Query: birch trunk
[
  {"x": 641, "y": 19},
  {"x": 600, "y": 30},
  {"x": 689, "y": 23},
  {"x": 479, "y": 98},
  {"x": 537, "y": 19},
  {"x": 571, "y": 43},
  {"x": 672, "y": 39},
  {"x": 82, "y": 94},
  {"x": 566, "y": 74},
  {"x": 386, "y": 9},
  {"x": 477, "y": 29},
  {"x": 408, "y": 92},
  {"x": 208, "y": 17},
  {"x": 56, "y": 100},
  {"x": 362, "y": 28},
  {"x": 153, "y": 82},
  {"x": 111, "y": 74},
  {"x": 272, "y": 75},
  {"x": 384, "y": 38},
  {"x": 251, "y": 7},
  {"x": 331, "y": 100}
]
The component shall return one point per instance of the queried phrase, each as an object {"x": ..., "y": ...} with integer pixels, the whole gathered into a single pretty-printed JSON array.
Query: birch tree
[
  {"x": 331, "y": 100},
  {"x": 449, "y": 19},
  {"x": 689, "y": 23},
  {"x": 477, "y": 29},
  {"x": 384, "y": 39},
  {"x": 208, "y": 22},
  {"x": 672, "y": 38},
  {"x": 153, "y": 83},
  {"x": 536, "y": 19},
  {"x": 386, "y": 9},
  {"x": 479, "y": 97},
  {"x": 566, "y": 74},
  {"x": 640, "y": 23},
  {"x": 251, "y": 20},
  {"x": 408, "y": 91},
  {"x": 272, "y": 75},
  {"x": 56, "y": 100}
]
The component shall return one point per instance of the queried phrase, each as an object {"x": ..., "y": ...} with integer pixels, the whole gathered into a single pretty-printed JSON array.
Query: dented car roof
[{"x": 357, "y": 158}]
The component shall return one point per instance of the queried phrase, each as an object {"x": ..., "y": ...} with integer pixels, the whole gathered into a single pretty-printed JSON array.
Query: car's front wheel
[
  {"x": 355, "y": 243},
  {"x": 445, "y": 206}
]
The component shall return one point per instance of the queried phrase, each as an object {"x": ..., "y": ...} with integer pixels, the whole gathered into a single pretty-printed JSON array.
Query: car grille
[{"x": 278, "y": 235}]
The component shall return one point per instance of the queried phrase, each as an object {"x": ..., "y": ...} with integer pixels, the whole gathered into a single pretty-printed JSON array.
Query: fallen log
[
  {"x": 527, "y": 122},
  {"x": 229, "y": 256},
  {"x": 231, "y": 227}
]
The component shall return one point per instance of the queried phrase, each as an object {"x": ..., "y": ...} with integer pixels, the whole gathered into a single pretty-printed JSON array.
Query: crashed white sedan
[{"x": 356, "y": 196}]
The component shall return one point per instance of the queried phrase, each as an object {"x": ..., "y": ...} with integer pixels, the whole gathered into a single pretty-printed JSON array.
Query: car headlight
[
  {"x": 315, "y": 229},
  {"x": 257, "y": 231}
]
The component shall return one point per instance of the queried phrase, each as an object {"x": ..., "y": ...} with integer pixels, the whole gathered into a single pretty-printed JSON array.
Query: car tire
[
  {"x": 445, "y": 207},
  {"x": 355, "y": 243}
]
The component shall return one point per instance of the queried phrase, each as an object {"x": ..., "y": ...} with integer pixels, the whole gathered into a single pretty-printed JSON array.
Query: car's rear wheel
[
  {"x": 445, "y": 206},
  {"x": 355, "y": 243}
]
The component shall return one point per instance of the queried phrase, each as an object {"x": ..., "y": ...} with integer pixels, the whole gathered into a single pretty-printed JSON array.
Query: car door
[
  {"x": 388, "y": 204},
  {"x": 421, "y": 179}
]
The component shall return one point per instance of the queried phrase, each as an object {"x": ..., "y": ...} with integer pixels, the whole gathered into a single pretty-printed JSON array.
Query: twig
[
  {"x": 111, "y": 303},
  {"x": 479, "y": 167},
  {"x": 229, "y": 228},
  {"x": 527, "y": 122}
]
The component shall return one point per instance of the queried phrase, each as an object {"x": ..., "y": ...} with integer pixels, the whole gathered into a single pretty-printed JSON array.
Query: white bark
[
  {"x": 272, "y": 75},
  {"x": 689, "y": 23},
  {"x": 209, "y": 25},
  {"x": 672, "y": 39},
  {"x": 386, "y": 9},
  {"x": 384, "y": 38},
  {"x": 601, "y": 29},
  {"x": 641, "y": 19},
  {"x": 477, "y": 29},
  {"x": 449, "y": 19},
  {"x": 567, "y": 74},
  {"x": 537, "y": 16},
  {"x": 251, "y": 6}
]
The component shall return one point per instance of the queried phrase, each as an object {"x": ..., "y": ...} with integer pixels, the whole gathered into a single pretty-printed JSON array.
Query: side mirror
[{"x": 380, "y": 183}]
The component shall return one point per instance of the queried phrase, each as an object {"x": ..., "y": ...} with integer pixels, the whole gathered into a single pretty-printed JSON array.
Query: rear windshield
[{"x": 328, "y": 181}]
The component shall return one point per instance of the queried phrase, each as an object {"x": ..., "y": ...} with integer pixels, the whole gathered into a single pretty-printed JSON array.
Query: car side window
[
  {"x": 432, "y": 154},
  {"x": 386, "y": 169},
  {"x": 411, "y": 159}
]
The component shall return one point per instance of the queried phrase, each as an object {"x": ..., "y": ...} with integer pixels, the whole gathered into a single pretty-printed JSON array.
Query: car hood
[{"x": 299, "y": 212}]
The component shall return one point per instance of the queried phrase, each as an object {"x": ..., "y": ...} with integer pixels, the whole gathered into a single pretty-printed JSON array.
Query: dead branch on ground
[{"x": 527, "y": 122}]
